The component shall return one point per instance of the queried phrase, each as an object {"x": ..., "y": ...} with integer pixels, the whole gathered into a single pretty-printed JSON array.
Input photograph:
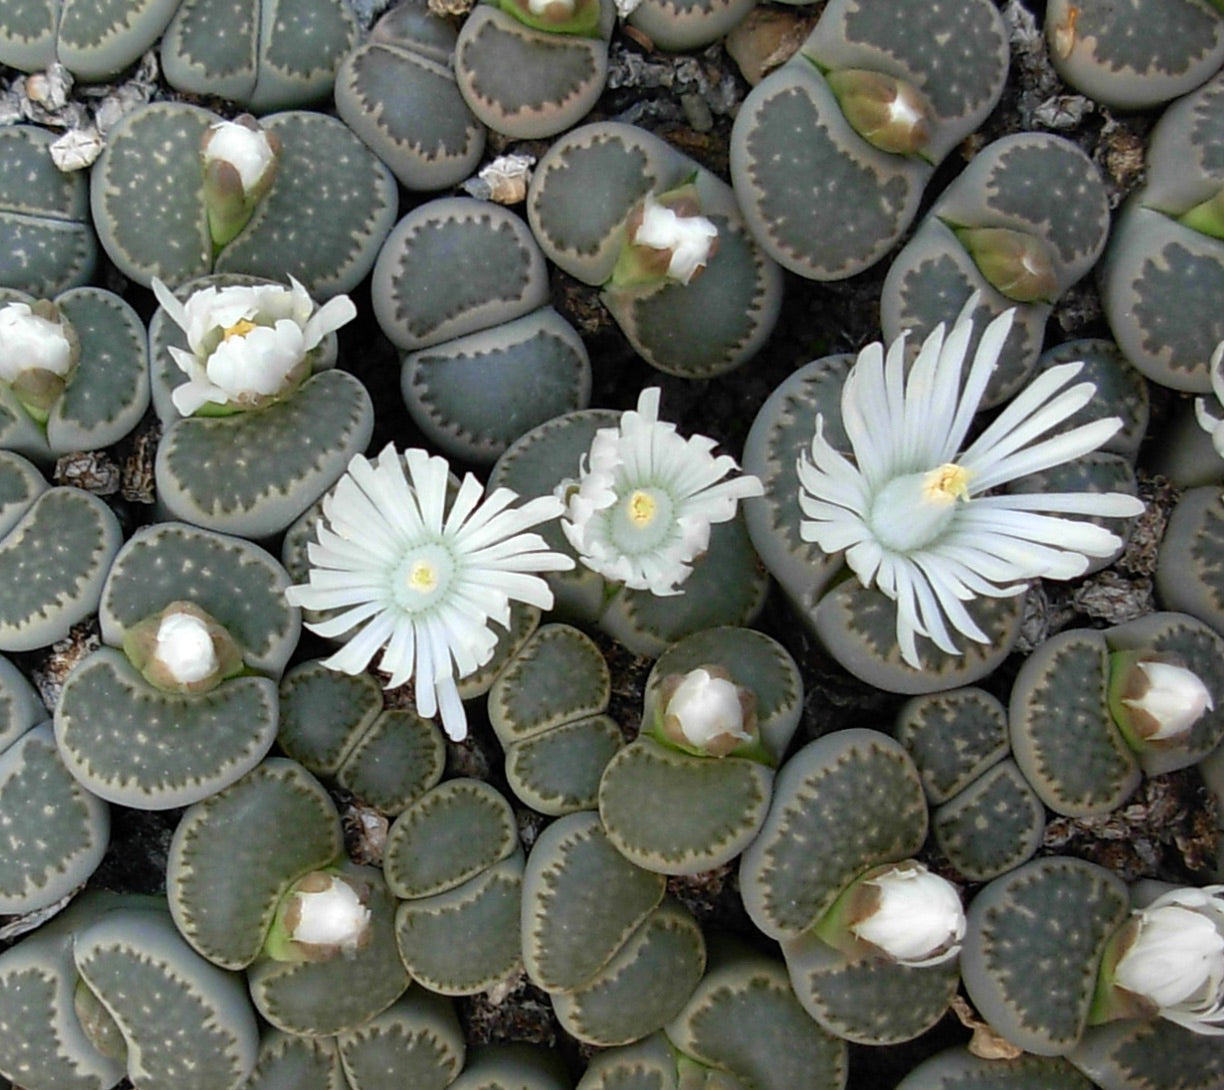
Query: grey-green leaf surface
[
  {"x": 1190, "y": 564},
  {"x": 46, "y": 242},
  {"x": 643, "y": 987},
  {"x": 512, "y": 1067},
  {"x": 859, "y": 782},
  {"x": 1033, "y": 942},
  {"x": 953, "y": 737},
  {"x": 992, "y": 826},
  {"x": 296, "y": 1063},
  {"x": 676, "y": 25},
  {"x": 55, "y": 832},
  {"x": 398, "y": 93},
  {"x": 869, "y": 1001},
  {"x": 558, "y": 772},
  {"x": 20, "y": 706},
  {"x": 451, "y": 834},
  {"x": 323, "y": 998},
  {"x": 188, "y": 1025},
  {"x": 468, "y": 939},
  {"x": 416, "y": 1042},
  {"x": 97, "y": 39},
  {"x": 137, "y": 746},
  {"x": 1135, "y": 1055},
  {"x": 473, "y": 396},
  {"x": 323, "y": 714},
  {"x": 581, "y": 901},
  {"x": 253, "y": 473},
  {"x": 239, "y": 584},
  {"x": 559, "y": 676},
  {"x": 675, "y": 813},
  {"x": 230, "y": 861},
  {"x": 1062, "y": 734},
  {"x": 53, "y": 562},
  {"x": 958, "y": 1069},
  {"x": 395, "y": 762}
]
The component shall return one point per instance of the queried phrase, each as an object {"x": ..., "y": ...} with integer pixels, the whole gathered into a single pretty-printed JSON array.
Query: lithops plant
[
  {"x": 908, "y": 516},
  {"x": 56, "y": 545},
  {"x": 615, "y": 206},
  {"x": 1034, "y": 940},
  {"x": 858, "y": 964},
  {"x": 93, "y": 41},
  {"x": 268, "y": 55},
  {"x": 110, "y": 988},
  {"x": 397, "y": 91},
  {"x": 959, "y": 1067},
  {"x": 512, "y": 1067},
  {"x": 830, "y": 154},
  {"x": 680, "y": 25},
  {"x": 1188, "y": 574},
  {"x": 986, "y": 818},
  {"x": 547, "y": 708},
  {"x": 1137, "y": 1053},
  {"x": 1025, "y": 220},
  {"x": 612, "y": 587},
  {"x": 461, "y": 288},
  {"x": 692, "y": 791},
  {"x": 1164, "y": 268},
  {"x": 181, "y": 699},
  {"x": 56, "y": 832},
  {"x": 1091, "y": 712},
  {"x": 257, "y": 421},
  {"x": 314, "y": 932},
  {"x": 74, "y": 372},
  {"x": 453, "y": 858},
  {"x": 616, "y": 959},
  {"x": 1137, "y": 56},
  {"x": 47, "y": 243},
  {"x": 530, "y": 70},
  {"x": 153, "y": 221},
  {"x": 335, "y": 725}
]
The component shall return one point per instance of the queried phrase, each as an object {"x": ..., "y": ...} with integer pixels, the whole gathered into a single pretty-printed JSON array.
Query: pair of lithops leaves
[
  {"x": 267, "y": 55},
  {"x": 461, "y": 289},
  {"x": 831, "y": 153}
]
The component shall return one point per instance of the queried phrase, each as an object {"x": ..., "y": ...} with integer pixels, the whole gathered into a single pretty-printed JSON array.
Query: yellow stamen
[
  {"x": 642, "y": 508},
  {"x": 239, "y": 329},
  {"x": 946, "y": 484},
  {"x": 423, "y": 577}
]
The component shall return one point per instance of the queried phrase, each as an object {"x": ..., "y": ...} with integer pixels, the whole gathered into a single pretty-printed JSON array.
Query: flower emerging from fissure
[
  {"x": 248, "y": 345},
  {"x": 420, "y": 581},
  {"x": 1208, "y": 421},
  {"x": 641, "y": 509},
  {"x": 915, "y": 517}
]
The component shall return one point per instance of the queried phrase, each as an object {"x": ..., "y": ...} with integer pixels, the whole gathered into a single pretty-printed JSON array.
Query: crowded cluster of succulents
[{"x": 375, "y": 712}]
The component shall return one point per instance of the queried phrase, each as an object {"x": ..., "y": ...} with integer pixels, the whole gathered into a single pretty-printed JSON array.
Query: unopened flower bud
[
  {"x": 182, "y": 649},
  {"x": 665, "y": 238},
  {"x": 322, "y": 916},
  {"x": 577, "y": 17},
  {"x": 1154, "y": 700},
  {"x": 1207, "y": 217},
  {"x": 705, "y": 712},
  {"x": 240, "y": 160},
  {"x": 1167, "y": 960},
  {"x": 1016, "y": 264},
  {"x": 889, "y": 113},
  {"x": 903, "y": 912},
  {"x": 38, "y": 351},
  {"x": 185, "y": 648}
]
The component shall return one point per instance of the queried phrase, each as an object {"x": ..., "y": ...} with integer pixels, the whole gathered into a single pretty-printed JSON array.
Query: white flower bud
[
  {"x": 29, "y": 342},
  {"x": 707, "y": 710},
  {"x": 184, "y": 646},
  {"x": 1175, "y": 959},
  {"x": 918, "y": 919},
  {"x": 1173, "y": 701},
  {"x": 689, "y": 238},
  {"x": 327, "y": 913},
  {"x": 246, "y": 149}
]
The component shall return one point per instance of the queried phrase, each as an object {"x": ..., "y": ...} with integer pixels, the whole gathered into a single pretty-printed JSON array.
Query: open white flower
[
  {"x": 641, "y": 510},
  {"x": 248, "y": 344},
  {"x": 1173, "y": 961},
  {"x": 1208, "y": 421},
  {"x": 913, "y": 515},
  {"x": 420, "y": 582}
]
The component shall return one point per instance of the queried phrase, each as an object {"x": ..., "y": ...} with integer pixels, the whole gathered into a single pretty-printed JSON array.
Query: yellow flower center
[
  {"x": 422, "y": 577},
  {"x": 642, "y": 508},
  {"x": 239, "y": 329},
  {"x": 946, "y": 484}
]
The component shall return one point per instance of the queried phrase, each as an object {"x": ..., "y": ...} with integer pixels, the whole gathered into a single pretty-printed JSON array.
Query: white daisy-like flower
[
  {"x": 1208, "y": 421},
  {"x": 914, "y": 516},
  {"x": 248, "y": 344},
  {"x": 641, "y": 509},
  {"x": 420, "y": 582}
]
